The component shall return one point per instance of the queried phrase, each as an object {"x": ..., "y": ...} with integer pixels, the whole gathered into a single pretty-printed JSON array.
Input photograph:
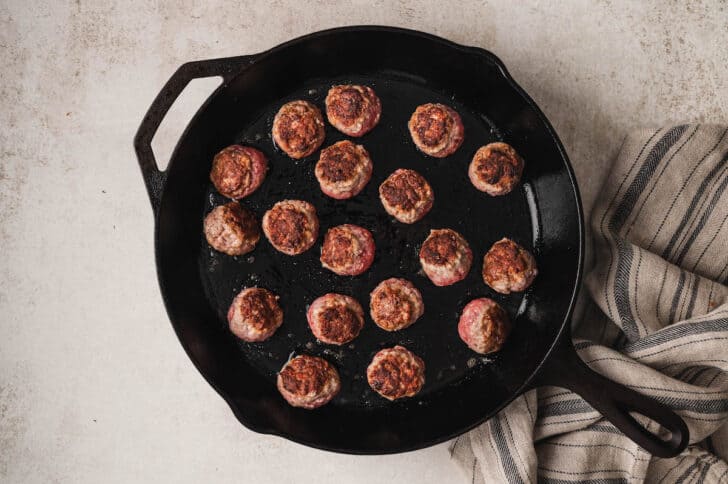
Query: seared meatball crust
[
  {"x": 308, "y": 382},
  {"x": 254, "y": 314},
  {"x": 445, "y": 257},
  {"x": 484, "y": 325},
  {"x": 406, "y": 195},
  {"x": 231, "y": 229},
  {"x": 343, "y": 170},
  {"x": 436, "y": 129},
  {"x": 335, "y": 318},
  {"x": 395, "y": 304},
  {"x": 348, "y": 250},
  {"x": 354, "y": 110},
  {"x": 496, "y": 169},
  {"x": 298, "y": 129},
  {"x": 396, "y": 373},
  {"x": 291, "y": 226},
  {"x": 508, "y": 267},
  {"x": 237, "y": 171}
]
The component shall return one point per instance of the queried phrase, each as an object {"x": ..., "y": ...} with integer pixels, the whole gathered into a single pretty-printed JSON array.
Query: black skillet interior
[
  {"x": 299, "y": 280},
  {"x": 406, "y": 69}
]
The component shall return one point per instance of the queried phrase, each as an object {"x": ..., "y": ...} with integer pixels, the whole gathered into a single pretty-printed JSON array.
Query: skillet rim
[{"x": 563, "y": 332}]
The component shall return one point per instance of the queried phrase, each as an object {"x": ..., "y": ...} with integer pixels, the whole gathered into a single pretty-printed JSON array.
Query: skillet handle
[
  {"x": 614, "y": 401},
  {"x": 154, "y": 178}
]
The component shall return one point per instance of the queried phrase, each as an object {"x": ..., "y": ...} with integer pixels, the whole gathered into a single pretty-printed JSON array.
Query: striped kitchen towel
[{"x": 657, "y": 321}]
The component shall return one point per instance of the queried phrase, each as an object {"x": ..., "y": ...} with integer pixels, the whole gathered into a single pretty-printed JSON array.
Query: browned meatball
[
  {"x": 395, "y": 304},
  {"x": 348, "y": 250},
  {"x": 508, "y": 267},
  {"x": 308, "y": 382},
  {"x": 343, "y": 170},
  {"x": 484, "y": 325},
  {"x": 396, "y": 373},
  {"x": 406, "y": 195},
  {"x": 237, "y": 171},
  {"x": 291, "y": 226},
  {"x": 496, "y": 169},
  {"x": 445, "y": 257},
  {"x": 353, "y": 110},
  {"x": 255, "y": 314},
  {"x": 436, "y": 129},
  {"x": 298, "y": 129},
  {"x": 231, "y": 229},
  {"x": 335, "y": 318}
]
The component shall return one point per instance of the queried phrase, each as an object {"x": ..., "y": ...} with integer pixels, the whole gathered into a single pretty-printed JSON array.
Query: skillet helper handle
[
  {"x": 614, "y": 401},
  {"x": 154, "y": 178}
]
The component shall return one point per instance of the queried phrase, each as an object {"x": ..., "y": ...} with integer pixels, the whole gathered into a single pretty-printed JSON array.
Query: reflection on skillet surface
[{"x": 299, "y": 280}]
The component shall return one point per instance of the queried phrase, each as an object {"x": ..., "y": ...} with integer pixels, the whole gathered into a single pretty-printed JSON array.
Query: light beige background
[{"x": 93, "y": 384}]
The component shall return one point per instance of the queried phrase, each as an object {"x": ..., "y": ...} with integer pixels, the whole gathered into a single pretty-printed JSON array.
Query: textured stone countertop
[{"x": 94, "y": 386}]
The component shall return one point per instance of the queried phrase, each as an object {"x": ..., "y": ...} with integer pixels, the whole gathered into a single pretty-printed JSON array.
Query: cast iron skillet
[{"x": 463, "y": 389}]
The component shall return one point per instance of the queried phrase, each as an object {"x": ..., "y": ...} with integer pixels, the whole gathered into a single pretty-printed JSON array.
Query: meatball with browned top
[
  {"x": 354, "y": 110},
  {"x": 436, "y": 129},
  {"x": 231, "y": 229},
  {"x": 496, "y": 169},
  {"x": 406, "y": 195},
  {"x": 298, "y": 129},
  {"x": 508, "y": 267},
  {"x": 445, "y": 257},
  {"x": 395, "y": 304},
  {"x": 396, "y": 373},
  {"x": 484, "y": 325},
  {"x": 308, "y": 382},
  {"x": 335, "y": 318},
  {"x": 254, "y": 314},
  {"x": 291, "y": 226},
  {"x": 237, "y": 171},
  {"x": 343, "y": 170},
  {"x": 348, "y": 250}
]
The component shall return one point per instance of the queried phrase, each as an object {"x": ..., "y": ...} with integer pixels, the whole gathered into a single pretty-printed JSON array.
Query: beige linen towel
[{"x": 657, "y": 322}]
